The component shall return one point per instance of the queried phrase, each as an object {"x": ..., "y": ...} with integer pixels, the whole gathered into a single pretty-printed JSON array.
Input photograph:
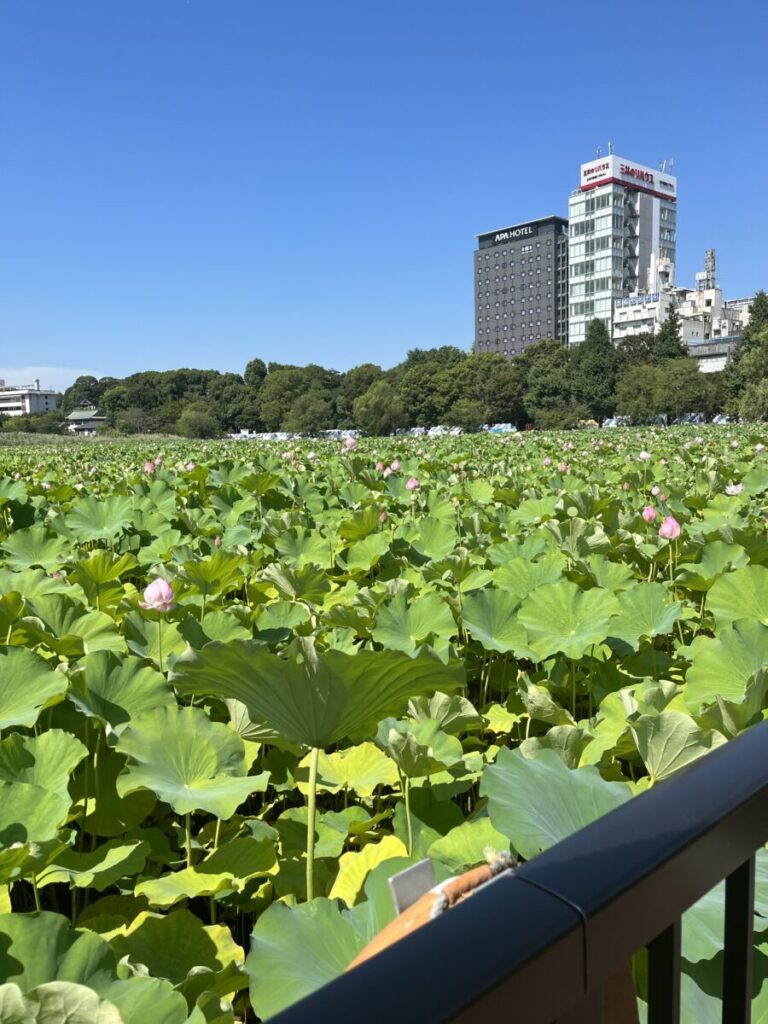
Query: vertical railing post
[
  {"x": 664, "y": 976},
  {"x": 739, "y": 943}
]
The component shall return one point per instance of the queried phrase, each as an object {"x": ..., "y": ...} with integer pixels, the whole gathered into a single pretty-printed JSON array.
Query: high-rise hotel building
[
  {"x": 621, "y": 238},
  {"x": 521, "y": 286}
]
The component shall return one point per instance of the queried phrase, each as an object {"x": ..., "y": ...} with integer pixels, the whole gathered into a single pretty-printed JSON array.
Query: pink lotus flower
[
  {"x": 387, "y": 472},
  {"x": 644, "y": 456},
  {"x": 384, "y": 516},
  {"x": 734, "y": 444},
  {"x": 92, "y": 471},
  {"x": 17, "y": 476},
  {"x": 412, "y": 484},
  {"x": 149, "y": 467},
  {"x": 159, "y": 460},
  {"x": 217, "y": 541},
  {"x": 655, "y": 490},
  {"x": 190, "y": 466},
  {"x": 662, "y": 498},
  {"x": 379, "y": 466},
  {"x": 734, "y": 488},
  {"x": 158, "y": 596},
  {"x": 759, "y": 447},
  {"x": 669, "y": 529},
  {"x": 350, "y": 443},
  {"x": 547, "y": 461},
  {"x": 625, "y": 485},
  {"x": 394, "y": 465},
  {"x": 562, "y": 467},
  {"x": 649, "y": 513}
]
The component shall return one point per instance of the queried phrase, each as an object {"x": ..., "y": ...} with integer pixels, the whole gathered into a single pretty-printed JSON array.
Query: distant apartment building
[
  {"x": 622, "y": 238},
  {"x": 26, "y": 400},
  {"x": 521, "y": 286},
  {"x": 709, "y": 325}
]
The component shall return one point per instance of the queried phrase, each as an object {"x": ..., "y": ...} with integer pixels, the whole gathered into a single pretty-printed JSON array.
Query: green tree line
[{"x": 643, "y": 378}]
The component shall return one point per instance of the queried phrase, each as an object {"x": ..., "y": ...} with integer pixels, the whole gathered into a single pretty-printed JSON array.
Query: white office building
[
  {"x": 27, "y": 400},
  {"x": 622, "y": 238}
]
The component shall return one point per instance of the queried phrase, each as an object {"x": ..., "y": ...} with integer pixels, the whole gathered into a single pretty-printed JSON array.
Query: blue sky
[{"x": 198, "y": 182}]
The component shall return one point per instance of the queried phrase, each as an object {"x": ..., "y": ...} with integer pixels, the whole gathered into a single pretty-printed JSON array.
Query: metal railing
[{"x": 541, "y": 945}]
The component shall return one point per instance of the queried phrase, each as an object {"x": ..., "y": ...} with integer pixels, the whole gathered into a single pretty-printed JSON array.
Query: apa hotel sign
[{"x": 513, "y": 234}]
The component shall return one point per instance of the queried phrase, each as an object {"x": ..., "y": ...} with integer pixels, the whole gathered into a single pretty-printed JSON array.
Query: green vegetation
[{"x": 240, "y": 685}]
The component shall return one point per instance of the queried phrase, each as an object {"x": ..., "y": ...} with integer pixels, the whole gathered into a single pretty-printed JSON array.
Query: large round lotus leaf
[
  {"x": 46, "y": 760},
  {"x": 455, "y": 714},
  {"x": 296, "y": 950},
  {"x": 73, "y": 629},
  {"x": 646, "y": 610},
  {"x": 671, "y": 740},
  {"x": 143, "y": 1000},
  {"x": 536, "y": 803},
  {"x": 360, "y": 768},
  {"x": 355, "y": 866},
  {"x": 27, "y": 683},
  {"x": 116, "y": 688},
  {"x": 491, "y": 617},
  {"x": 404, "y": 627},
  {"x": 723, "y": 665},
  {"x": 326, "y": 698},
  {"x": 35, "y": 546},
  {"x": 93, "y": 519},
  {"x": 742, "y": 594},
  {"x": 58, "y": 1002},
  {"x": 97, "y": 869},
  {"x": 189, "y": 761},
  {"x": 418, "y": 748},
  {"x": 559, "y": 617},
  {"x": 173, "y": 945},
  {"x": 42, "y": 947}
]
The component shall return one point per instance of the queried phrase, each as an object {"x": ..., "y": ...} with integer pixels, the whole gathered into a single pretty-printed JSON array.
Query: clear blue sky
[{"x": 198, "y": 182}]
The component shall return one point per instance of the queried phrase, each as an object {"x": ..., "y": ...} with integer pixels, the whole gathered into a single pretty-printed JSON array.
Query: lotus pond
[{"x": 242, "y": 684}]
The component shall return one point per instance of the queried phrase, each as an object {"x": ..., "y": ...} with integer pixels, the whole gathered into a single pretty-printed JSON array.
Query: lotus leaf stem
[
  {"x": 188, "y": 838},
  {"x": 160, "y": 642},
  {"x": 313, "y": 763}
]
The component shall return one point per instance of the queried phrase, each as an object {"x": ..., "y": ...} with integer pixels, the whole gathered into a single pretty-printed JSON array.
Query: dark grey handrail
[{"x": 540, "y": 944}]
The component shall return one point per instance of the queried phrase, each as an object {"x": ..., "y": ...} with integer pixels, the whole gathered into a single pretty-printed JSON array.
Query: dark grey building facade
[{"x": 521, "y": 286}]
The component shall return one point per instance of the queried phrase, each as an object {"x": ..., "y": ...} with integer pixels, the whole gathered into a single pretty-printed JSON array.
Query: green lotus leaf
[
  {"x": 210, "y": 1009},
  {"x": 153, "y": 640},
  {"x": 229, "y": 867},
  {"x": 612, "y": 724},
  {"x": 360, "y": 524},
  {"x": 310, "y": 583},
  {"x": 729, "y": 717},
  {"x": 364, "y": 554},
  {"x": 418, "y": 748},
  {"x": 94, "y": 519},
  {"x": 141, "y": 1000},
  {"x": 23, "y": 860},
  {"x": 57, "y": 1002},
  {"x": 355, "y": 867},
  {"x": 188, "y": 761},
  {"x": 214, "y": 575},
  {"x": 27, "y": 684},
  {"x": 361, "y": 768},
  {"x": 717, "y": 557},
  {"x": 300, "y": 547},
  {"x": 615, "y": 576},
  {"x": 281, "y": 615},
  {"x": 567, "y": 741},
  {"x": 431, "y": 537},
  {"x": 100, "y": 868},
  {"x": 117, "y": 688},
  {"x": 403, "y": 626},
  {"x": 319, "y": 701},
  {"x": 35, "y": 545},
  {"x": 742, "y": 594},
  {"x": 34, "y": 583},
  {"x": 42, "y": 947},
  {"x": 521, "y": 576},
  {"x": 491, "y": 617},
  {"x": 176, "y": 944},
  {"x": 558, "y": 617},
  {"x": 455, "y": 714},
  {"x": 646, "y": 610},
  {"x": 723, "y": 665},
  {"x": 99, "y": 576},
  {"x": 468, "y": 844},
  {"x": 46, "y": 760},
  {"x": 536, "y": 803},
  {"x": 296, "y": 950},
  {"x": 669, "y": 741},
  {"x": 70, "y": 629},
  {"x": 108, "y": 814}
]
